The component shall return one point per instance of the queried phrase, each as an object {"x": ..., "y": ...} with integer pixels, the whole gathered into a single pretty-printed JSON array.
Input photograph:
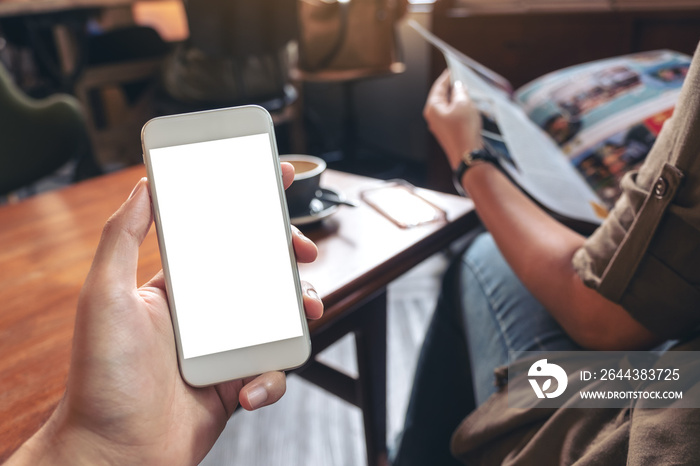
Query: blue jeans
[
  {"x": 483, "y": 313},
  {"x": 501, "y": 316}
]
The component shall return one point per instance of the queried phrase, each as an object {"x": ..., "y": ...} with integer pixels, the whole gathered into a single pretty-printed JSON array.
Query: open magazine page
[
  {"x": 538, "y": 166},
  {"x": 606, "y": 114},
  {"x": 526, "y": 152}
]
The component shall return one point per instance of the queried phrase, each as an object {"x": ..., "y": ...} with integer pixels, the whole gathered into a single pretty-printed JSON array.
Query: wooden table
[{"x": 47, "y": 243}]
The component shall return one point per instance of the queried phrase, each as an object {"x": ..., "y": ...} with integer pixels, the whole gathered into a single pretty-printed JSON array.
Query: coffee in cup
[{"x": 307, "y": 180}]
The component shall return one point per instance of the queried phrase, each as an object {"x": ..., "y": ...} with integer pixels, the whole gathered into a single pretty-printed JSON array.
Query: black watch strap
[{"x": 468, "y": 160}]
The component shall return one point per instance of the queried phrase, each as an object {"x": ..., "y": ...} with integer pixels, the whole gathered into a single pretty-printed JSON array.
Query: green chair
[{"x": 37, "y": 137}]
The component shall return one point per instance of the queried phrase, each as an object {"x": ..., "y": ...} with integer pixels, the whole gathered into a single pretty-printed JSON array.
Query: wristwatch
[{"x": 468, "y": 159}]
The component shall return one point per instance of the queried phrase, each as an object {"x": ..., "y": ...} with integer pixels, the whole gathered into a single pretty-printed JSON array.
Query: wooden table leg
[
  {"x": 370, "y": 342},
  {"x": 368, "y": 390}
]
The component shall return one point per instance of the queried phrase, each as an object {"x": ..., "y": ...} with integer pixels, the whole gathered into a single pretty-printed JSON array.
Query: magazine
[{"x": 569, "y": 136}]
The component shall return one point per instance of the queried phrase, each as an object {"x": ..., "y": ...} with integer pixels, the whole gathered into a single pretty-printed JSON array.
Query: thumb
[
  {"x": 459, "y": 93},
  {"x": 116, "y": 259}
]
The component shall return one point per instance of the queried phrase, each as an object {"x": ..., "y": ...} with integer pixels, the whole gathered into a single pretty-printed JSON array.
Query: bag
[{"x": 350, "y": 35}]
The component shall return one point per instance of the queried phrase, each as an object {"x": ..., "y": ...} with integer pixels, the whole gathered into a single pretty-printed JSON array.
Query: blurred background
[{"x": 345, "y": 80}]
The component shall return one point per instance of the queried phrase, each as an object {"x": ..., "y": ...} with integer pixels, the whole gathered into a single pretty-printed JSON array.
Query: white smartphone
[{"x": 225, "y": 242}]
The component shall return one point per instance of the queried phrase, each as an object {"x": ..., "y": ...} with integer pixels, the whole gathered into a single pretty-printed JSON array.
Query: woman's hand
[{"x": 453, "y": 118}]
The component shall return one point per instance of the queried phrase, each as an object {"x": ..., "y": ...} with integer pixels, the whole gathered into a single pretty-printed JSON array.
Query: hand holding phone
[
  {"x": 123, "y": 388},
  {"x": 225, "y": 239}
]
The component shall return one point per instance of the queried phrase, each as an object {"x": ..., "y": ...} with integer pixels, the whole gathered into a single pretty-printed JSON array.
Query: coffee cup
[{"x": 307, "y": 180}]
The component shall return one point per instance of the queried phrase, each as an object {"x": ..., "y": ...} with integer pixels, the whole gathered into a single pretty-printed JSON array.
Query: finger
[
  {"x": 263, "y": 390},
  {"x": 313, "y": 306},
  {"x": 116, "y": 258},
  {"x": 440, "y": 91},
  {"x": 287, "y": 174},
  {"x": 459, "y": 93},
  {"x": 304, "y": 249}
]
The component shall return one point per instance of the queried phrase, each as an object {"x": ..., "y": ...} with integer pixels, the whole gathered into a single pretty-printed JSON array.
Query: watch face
[
  {"x": 469, "y": 158},
  {"x": 482, "y": 154}
]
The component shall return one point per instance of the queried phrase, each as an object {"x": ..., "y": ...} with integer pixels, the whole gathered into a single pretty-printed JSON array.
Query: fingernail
[
  {"x": 257, "y": 397},
  {"x": 301, "y": 235},
  {"x": 137, "y": 188},
  {"x": 313, "y": 294}
]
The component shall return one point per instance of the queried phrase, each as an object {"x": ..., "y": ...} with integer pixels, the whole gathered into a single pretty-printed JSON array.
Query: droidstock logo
[{"x": 541, "y": 369}]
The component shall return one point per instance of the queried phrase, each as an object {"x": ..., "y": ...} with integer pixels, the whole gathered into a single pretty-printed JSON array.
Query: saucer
[{"x": 318, "y": 209}]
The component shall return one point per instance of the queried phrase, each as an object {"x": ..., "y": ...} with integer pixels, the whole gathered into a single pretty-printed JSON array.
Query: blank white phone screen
[{"x": 224, "y": 235}]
